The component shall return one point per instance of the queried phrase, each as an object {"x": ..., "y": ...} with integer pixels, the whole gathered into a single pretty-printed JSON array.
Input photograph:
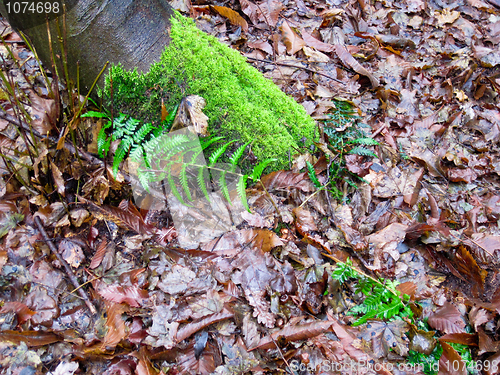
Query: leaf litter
[{"x": 261, "y": 298}]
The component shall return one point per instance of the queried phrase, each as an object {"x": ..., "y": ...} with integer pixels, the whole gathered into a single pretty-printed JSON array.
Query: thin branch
[{"x": 67, "y": 267}]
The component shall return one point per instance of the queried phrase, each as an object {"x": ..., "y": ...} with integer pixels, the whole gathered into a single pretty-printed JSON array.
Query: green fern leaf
[
  {"x": 121, "y": 152},
  {"x": 184, "y": 181},
  {"x": 95, "y": 114},
  {"x": 365, "y": 141},
  {"x": 167, "y": 123},
  {"x": 241, "y": 186},
  {"x": 360, "y": 150},
  {"x": 223, "y": 186},
  {"x": 259, "y": 169},
  {"x": 208, "y": 141},
  {"x": 236, "y": 156},
  {"x": 173, "y": 189},
  {"x": 214, "y": 157},
  {"x": 312, "y": 175},
  {"x": 103, "y": 142},
  {"x": 202, "y": 182}
]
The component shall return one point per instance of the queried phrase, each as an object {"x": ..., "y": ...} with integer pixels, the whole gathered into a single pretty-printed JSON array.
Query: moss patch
[{"x": 241, "y": 103}]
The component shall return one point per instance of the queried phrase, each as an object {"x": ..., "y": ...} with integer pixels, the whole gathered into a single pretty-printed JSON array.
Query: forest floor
[{"x": 379, "y": 262}]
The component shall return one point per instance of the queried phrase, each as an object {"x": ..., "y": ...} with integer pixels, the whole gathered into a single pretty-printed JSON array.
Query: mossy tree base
[{"x": 241, "y": 103}]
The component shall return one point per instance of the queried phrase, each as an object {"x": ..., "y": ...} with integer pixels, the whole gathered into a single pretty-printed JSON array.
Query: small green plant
[
  {"x": 131, "y": 132},
  {"x": 179, "y": 159},
  {"x": 345, "y": 135},
  {"x": 381, "y": 299},
  {"x": 429, "y": 363}
]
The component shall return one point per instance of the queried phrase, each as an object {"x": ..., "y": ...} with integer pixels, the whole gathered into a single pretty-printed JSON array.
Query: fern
[
  {"x": 131, "y": 133},
  {"x": 381, "y": 299},
  {"x": 345, "y": 134},
  {"x": 312, "y": 175}
]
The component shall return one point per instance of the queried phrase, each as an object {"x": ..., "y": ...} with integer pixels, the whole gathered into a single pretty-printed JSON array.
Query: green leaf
[
  {"x": 235, "y": 158},
  {"x": 95, "y": 114},
  {"x": 214, "y": 157},
  {"x": 365, "y": 141},
  {"x": 259, "y": 169},
  {"x": 184, "y": 181},
  {"x": 360, "y": 150},
  {"x": 241, "y": 186},
  {"x": 312, "y": 175},
  {"x": 173, "y": 189},
  {"x": 223, "y": 186},
  {"x": 202, "y": 183}
]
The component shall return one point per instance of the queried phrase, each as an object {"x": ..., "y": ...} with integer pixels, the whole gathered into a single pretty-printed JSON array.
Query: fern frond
[
  {"x": 259, "y": 169},
  {"x": 312, "y": 175},
  {"x": 360, "y": 150},
  {"x": 120, "y": 153},
  {"x": 103, "y": 142},
  {"x": 184, "y": 181},
  {"x": 173, "y": 189},
  {"x": 223, "y": 186},
  {"x": 143, "y": 132},
  {"x": 208, "y": 141},
  {"x": 365, "y": 141},
  {"x": 95, "y": 114},
  {"x": 167, "y": 123},
  {"x": 202, "y": 178},
  {"x": 236, "y": 156},
  {"x": 241, "y": 186},
  {"x": 214, "y": 157}
]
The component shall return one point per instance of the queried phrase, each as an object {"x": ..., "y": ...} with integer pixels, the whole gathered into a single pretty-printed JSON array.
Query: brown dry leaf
[
  {"x": 45, "y": 306},
  {"x": 386, "y": 336},
  {"x": 313, "y": 42},
  {"x": 250, "y": 331},
  {"x": 126, "y": 216},
  {"x": 144, "y": 367},
  {"x": 117, "y": 330},
  {"x": 232, "y": 16},
  {"x": 43, "y": 113},
  {"x": 451, "y": 362},
  {"x": 347, "y": 341},
  {"x": 22, "y": 311},
  {"x": 71, "y": 252},
  {"x": 30, "y": 338},
  {"x": 469, "y": 339},
  {"x": 447, "y": 319},
  {"x": 58, "y": 179},
  {"x": 131, "y": 295},
  {"x": 99, "y": 254},
  {"x": 292, "y": 41},
  {"x": 188, "y": 362},
  {"x": 262, "y": 45},
  {"x": 251, "y": 10},
  {"x": 348, "y": 60},
  {"x": 447, "y": 16},
  {"x": 468, "y": 267},
  {"x": 315, "y": 56},
  {"x": 294, "y": 333},
  {"x": 304, "y": 221},
  {"x": 190, "y": 113},
  {"x": 191, "y": 328},
  {"x": 285, "y": 180}
]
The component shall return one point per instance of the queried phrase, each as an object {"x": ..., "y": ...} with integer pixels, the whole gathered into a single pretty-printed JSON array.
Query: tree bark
[{"x": 92, "y": 32}]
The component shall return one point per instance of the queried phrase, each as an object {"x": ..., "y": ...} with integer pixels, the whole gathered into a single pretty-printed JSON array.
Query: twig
[
  {"x": 68, "y": 269},
  {"x": 298, "y": 67}
]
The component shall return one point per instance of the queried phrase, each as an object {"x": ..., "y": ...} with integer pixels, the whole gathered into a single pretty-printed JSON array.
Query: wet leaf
[
  {"x": 294, "y": 333},
  {"x": 132, "y": 295},
  {"x": 232, "y": 16},
  {"x": 386, "y": 336},
  {"x": 447, "y": 319}
]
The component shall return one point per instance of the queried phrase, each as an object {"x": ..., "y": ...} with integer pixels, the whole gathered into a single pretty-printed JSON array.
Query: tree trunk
[{"x": 131, "y": 32}]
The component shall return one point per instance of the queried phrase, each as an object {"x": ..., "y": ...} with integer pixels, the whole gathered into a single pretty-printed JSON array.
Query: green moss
[{"x": 241, "y": 103}]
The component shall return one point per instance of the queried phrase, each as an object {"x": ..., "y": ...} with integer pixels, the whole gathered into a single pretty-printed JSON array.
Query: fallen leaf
[
  {"x": 292, "y": 41},
  {"x": 232, "y": 16}
]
